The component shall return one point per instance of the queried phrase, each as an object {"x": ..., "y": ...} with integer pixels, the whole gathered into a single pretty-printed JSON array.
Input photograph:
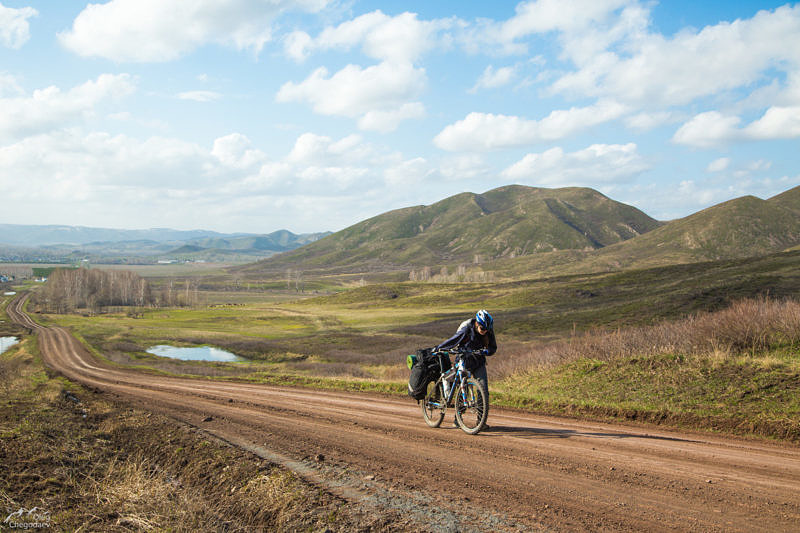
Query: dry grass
[
  {"x": 747, "y": 327},
  {"x": 95, "y": 465}
]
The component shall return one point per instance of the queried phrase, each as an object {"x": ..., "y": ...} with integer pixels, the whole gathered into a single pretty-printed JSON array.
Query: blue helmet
[{"x": 483, "y": 318}]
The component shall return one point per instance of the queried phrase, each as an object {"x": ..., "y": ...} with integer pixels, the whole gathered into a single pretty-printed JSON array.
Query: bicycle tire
[
  {"x": 471, "y": 416},
  {"x": 432, "y": 414}
]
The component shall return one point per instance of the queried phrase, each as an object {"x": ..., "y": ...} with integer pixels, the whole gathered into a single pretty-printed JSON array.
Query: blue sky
[{"x": 311, "y": 115}]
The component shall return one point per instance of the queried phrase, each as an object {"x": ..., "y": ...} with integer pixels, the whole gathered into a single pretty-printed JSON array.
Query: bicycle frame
[{"x": 459, "y": 376}]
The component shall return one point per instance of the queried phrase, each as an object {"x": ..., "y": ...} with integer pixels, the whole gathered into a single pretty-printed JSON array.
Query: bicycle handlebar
[{"x": 459, "y": 351}]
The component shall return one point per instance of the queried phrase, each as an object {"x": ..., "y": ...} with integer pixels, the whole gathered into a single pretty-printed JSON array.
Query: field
[{"x": 358, "y": 338}]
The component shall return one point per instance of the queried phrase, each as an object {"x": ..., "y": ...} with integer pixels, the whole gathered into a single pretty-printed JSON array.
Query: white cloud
[
  {"x": 718, "y": 165},
  {"x": 67, "y": 168},
  {"x": 707, "y": 130},
  {"x": 597, "y": 164},
  {"x": 51, "y": 108},
  {"x": 408, "y": 173},
  {"x": 157, "y": 31},
  {"x": 387, "y": 120},
  {"x": 777, "y": 123},
  {"x": 554, "y": 15},
  {"x": 398, "y": 39},
  {"x": 712, "y": 128},
  {"x": 379, "y": 96},
  {"x": 492, "y": 79},
  {"x": 486, "y": 131},
  {"x": 236, "y": 150},
  {"x": 14, "y": 27},
  {"x": 464, "y": 167},
  {"x": 654, "y": 70},
  {"x": 9, "y": 85},
  {"x": 647, "y": 121},
  {"x": 200, "y": 96},
  {"x": 298, "y": 45},
  {"x": 586, "y": 26}
]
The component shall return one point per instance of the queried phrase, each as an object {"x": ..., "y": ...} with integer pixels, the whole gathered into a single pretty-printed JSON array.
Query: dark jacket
[{"x": 467, "y": 337}]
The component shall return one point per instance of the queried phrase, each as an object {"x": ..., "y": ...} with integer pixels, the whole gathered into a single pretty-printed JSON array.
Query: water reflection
[
  {"x": 7, "y": 342},
  {"x": 197, "y": 353}
]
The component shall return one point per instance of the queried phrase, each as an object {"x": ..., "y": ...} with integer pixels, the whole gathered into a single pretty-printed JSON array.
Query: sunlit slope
[
  {"x": 506, "y": 222},
  {"x": 744, "y": 227}
]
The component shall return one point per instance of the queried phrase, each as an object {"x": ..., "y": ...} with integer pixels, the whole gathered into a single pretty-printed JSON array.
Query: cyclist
[{"x": 476, "y": 333}]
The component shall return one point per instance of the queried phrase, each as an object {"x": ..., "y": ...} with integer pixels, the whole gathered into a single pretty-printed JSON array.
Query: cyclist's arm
[
  {"x": 492, "y": 343},
  {"x": 455, "y": 340}
]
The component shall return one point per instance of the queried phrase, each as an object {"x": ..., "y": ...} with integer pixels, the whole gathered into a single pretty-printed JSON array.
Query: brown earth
[{"x": 525, "y": 472}]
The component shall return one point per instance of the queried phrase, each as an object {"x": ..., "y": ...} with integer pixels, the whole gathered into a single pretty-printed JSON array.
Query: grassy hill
[
  {"x": 506, "y": 222},
  {"x": 743, "y": 227},
  {"x": 739, "y": 228}
]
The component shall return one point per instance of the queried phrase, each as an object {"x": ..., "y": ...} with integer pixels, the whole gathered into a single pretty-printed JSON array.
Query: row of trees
[
  {"x": 460, "y": 275},
  {"x": 70, "y": 289}
]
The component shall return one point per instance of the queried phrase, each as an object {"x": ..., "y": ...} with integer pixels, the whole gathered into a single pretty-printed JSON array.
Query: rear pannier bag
[{"x": 425, "y": 369}]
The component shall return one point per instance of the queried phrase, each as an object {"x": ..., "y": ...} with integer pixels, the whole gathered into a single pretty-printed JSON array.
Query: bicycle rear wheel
[
  {"x": 472, "y": 407},
  {"x": 432, "y": 405}
]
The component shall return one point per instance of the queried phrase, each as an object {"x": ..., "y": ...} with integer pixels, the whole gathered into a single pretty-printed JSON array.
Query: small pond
[
  {"x": 7, "y": 342},
  {"x": 197, "y": 353}
]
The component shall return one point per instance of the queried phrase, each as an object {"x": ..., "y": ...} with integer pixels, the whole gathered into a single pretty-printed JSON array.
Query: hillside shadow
[{"x": 543, "y": 433}]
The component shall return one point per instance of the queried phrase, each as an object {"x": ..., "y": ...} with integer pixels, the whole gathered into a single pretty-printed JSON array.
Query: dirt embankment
[{"x": 524, "y": 473}]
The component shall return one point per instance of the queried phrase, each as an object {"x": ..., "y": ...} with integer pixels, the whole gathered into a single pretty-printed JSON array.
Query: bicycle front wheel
[
  {"x": 472, "y": 407},
  {"x": 433, "y": 406}
]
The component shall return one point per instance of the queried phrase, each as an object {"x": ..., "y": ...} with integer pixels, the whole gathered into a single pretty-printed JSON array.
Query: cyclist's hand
[{"x": 485, "y": 351}]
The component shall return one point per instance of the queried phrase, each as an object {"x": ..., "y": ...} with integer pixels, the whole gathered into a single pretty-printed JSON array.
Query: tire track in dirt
[{"x": 526, "y": 472}]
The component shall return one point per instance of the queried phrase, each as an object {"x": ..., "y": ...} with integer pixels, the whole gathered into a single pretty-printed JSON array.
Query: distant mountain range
[
  {"x": 526, "y": 229},
  {"x": 32, "y": 236},
  {"x": 69, "y": 243}
]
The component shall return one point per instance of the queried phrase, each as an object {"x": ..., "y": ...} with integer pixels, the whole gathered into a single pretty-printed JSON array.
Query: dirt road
[{"x": 525, "y": 472}]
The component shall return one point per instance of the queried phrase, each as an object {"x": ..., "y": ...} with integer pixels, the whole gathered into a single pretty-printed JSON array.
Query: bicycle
[{"x": 456, "y": 385}]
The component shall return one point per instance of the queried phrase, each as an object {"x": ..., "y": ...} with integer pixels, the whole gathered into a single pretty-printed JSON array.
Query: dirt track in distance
[{"x": 525, "y": 472}]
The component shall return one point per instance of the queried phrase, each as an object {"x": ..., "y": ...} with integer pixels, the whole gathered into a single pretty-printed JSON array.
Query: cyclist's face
[{"x": 481, "y": 330}]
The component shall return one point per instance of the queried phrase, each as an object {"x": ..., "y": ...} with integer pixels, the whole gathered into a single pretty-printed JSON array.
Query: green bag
[{"x": 411, "y": 359}]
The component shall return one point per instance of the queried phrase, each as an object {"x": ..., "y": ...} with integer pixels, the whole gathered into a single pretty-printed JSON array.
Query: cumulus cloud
[
  {"x": 712, "y": 128},
  {"x": 596, "y": 165},
  {"x": 9, "y": 85},
  {"x": 777, "y": 123},
  {"x": 707, "y": 130},
  {"x": 574, "y": 19},
  {"x": 51, "y": 107},
  {"x": 67, "y": 168},
  {"x": 157, "y": 31},
  {"x": 654, "y": 70},
  {"x": 718, "y": 165},
  {"x": 236, "y": 150},
  {"x": 14, "y": 26},
  {"x": 493, "y": 78},
  {"x": 380, "y": 96},
  {"x": 398, "y": 39},
  {"x": 487, "y": 131},
  {"x": 200, "y": 96},
  {"x": 647, "y": 121}
]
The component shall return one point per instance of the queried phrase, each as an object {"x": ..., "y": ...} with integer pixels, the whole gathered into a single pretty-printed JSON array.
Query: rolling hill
[
  {"x": 506, "y": 222},
  {"x": 743, "y": 227}
]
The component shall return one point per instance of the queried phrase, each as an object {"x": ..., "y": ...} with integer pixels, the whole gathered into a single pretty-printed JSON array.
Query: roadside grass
[
  {"x": 732, "y": 394},
  {"x": 736, "y": 370},
  {"x": 95, "y": 465}
]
